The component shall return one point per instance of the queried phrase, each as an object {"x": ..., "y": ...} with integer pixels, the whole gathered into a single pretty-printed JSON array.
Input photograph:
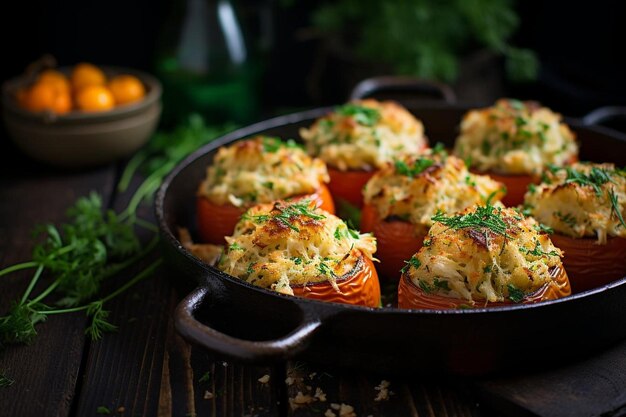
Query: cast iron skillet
[{"x": 239, "y": 320}]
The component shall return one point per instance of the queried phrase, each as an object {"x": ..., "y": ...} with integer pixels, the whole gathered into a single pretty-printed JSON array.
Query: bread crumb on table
[
  {"x": 264, "y": 379},
  {"x": 383, "y": 391}
]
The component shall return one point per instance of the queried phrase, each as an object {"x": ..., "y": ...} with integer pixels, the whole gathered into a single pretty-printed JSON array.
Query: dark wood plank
[
  {"x": 123, "y": 370},
  {"x": 593, "y": 387},
  {"x": 315, "y": 390},
  {"x": 45, "y": 372},
  {"x": 148, "y": 369}
]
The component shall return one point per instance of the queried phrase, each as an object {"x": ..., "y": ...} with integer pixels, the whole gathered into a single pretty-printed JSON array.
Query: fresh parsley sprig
[{"x": 95, "y": 244}]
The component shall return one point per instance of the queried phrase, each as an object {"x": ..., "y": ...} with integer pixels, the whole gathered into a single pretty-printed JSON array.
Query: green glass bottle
[{"x": 205, "y": 64}]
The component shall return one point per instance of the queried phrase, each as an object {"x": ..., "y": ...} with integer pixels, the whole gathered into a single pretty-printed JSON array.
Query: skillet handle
[
  {"x": 602, "y": 114},
  {"x": 246, "y": 350},
  {"x": 403, "y": 85}
]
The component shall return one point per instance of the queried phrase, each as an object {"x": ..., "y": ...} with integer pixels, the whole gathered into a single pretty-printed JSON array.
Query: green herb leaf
[
  {"x": 103, "y": 410},
  {"x": 206, "y": 377},
  {"x": 515, "y": 294},
  {"x": 484, "y": 217},
  {"x": 413, "y": 262},
  {"x": 5, "y": 381},
  {"x": 615, "y": 207},
  {"x": 418, "y": 166},
  {"x": 365, "y": 116}
]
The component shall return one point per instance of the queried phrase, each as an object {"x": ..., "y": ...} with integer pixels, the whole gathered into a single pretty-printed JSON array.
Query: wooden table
[{"x": 146, "y": 369}]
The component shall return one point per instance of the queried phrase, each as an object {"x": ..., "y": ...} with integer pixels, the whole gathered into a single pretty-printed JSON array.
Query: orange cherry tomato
[
  {"x": 590, "y": 265},
  {"x": 126, "y": 89},
  {"x": 56, "y": 79},
  {"x": 348, "y": 185},
  {"x": 396, "y": 241},
  {"x": 44, "y": 96},
  {"x": 95, "y": 98},
  {"x": 413, "y": 297},
  {"x": 85, "y": 74},
  {"x": 358, "y": 287},
  {"x": 218, "y": 220}
]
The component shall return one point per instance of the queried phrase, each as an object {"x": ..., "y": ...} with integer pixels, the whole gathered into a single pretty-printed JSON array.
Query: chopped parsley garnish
[
  {"x": 538, "y": 251},
  {"x": 542, "y": 228},
  {"x": 440, "y": 149},
  {"x": 487, "y": 269},
  {"x": 425, "y": 287},
  {"x": 567, "y": 218},
  {"x": 413, "y": 262},
  {"x": 235, "y": 246},
  {"x": 441, "y": 284},
  {"x": 418, "y": 166},
  {"x": 469, "y": 181},
  {"x": 485, "y": 147},
  {"x": 345, "y": 232},
  {"x": 250, "y": 268},
  {"x": 484, "y": 217},
  {"x": 532, "y": 188},
  {"x": 515, "y": 294},
  {"x": 325, "y": 269},
  {"x": 516, "y": 104},
  {"x": 615, "y": 208},
  {"x": 268, "y": 185},
  {"x": 271, "y": 144},
  {"x": 296, "y": 260},
  {"x": 365, "y": 116}
]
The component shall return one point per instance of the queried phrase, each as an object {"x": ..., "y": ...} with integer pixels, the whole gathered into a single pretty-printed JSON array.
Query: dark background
[{"x": 580, "y": 47}]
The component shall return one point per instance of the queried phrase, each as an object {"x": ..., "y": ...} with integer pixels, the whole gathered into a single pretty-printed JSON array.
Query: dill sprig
[
  {"x": 595, "y": 179},
  {"x": 286, "y": 213},
  {"x": 615, "y": 208},
  {"x": 487, "y": 217}
]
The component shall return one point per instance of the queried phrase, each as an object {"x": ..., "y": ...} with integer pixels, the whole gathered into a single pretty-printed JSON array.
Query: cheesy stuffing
[
  {"x": 515, "y": 137},
  {"x": 582, "y": 200},
  {"x": 364, "y": 135},
  {"x": 279, "y": 245},
  {"x": 261, "y": 170},
  {"x": 415, "y": 188},
  {"x": 484, "y": 254}
]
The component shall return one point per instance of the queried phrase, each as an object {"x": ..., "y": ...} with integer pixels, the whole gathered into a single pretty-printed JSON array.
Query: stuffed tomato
[
  {"x": 258, "y": 170},
  {"x": 360, "y": 137},
  {"x": 401, "y": 199},
  {"x": 514, "y": 141},
  {"x": 585, "y": 205},
  {"x": 297, "y": 249},
  {"x": 484, "y": 256}
]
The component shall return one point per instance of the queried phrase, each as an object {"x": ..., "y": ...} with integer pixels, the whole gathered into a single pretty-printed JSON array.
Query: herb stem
[
  {"x": 146, "y": 188},
  {"x": 140, "y": 276},
  {"x": 146, "y": 225},
  {"x": 32, "y": 284},
  {"x": 18, "y": 267},
  {"x": 44, "y": 294},
  {"x": 130, "y": 170}
]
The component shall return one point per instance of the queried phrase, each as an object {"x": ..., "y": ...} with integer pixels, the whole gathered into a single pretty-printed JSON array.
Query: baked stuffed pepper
[
  {"x": 294, "y": 248},
  {"x": 484, "y": 256},
  {"x": 360, "y": 137},
  {"x": 401, "y": 199},
  {"x": 585, "y": 205},
  {"x": 258, "y": 170},
  {"x": 513, "y": 142}
]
